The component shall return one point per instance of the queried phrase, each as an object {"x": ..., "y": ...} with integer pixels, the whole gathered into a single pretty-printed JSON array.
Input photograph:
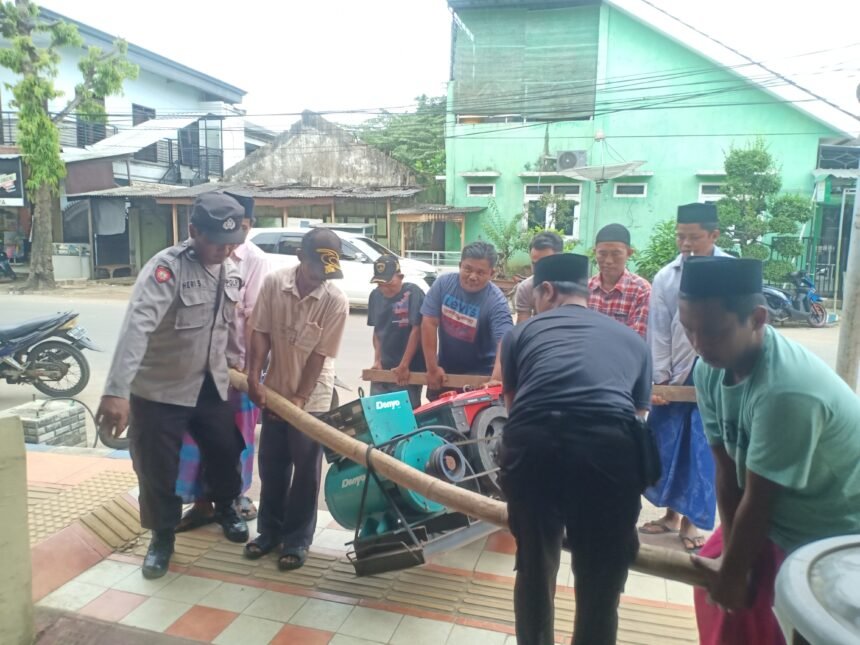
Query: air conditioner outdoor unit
[{"x": 568, "y": 159}]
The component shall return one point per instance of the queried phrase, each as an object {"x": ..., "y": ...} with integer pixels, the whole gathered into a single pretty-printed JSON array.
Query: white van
[{"x": 358, "y": 255}]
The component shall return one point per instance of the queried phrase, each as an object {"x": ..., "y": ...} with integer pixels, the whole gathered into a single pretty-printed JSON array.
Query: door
[{"x": 156, "y": 233}]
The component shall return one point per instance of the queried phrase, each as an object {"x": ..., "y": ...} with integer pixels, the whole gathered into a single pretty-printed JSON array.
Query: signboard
[{"x": 11, "y": 182}]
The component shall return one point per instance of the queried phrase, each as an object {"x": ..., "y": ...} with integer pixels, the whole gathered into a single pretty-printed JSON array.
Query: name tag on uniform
[{"x": 192, "y": 284}]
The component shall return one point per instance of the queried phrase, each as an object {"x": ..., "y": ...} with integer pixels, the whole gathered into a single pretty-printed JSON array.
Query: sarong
[
  {"x": 758, "y": 624},
  {"x": 189, "y": 484},
  {"x": 687, "y": 484}
]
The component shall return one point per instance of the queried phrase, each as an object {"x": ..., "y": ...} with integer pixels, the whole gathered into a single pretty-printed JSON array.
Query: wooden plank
[{"x": 672, "y": 393}]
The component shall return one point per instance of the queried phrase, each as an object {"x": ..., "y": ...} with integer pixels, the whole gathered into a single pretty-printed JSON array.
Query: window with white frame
[
  {"x": 481, "y": 190},
  {"x": 630, "y": 190},
  {"x": 711, "y": 192},
  {"x": 536, "y": 215}
]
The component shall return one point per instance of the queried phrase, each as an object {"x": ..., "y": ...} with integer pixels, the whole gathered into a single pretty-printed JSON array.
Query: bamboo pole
[
  {"x": 671, "y": 393},
  {"x": 657, "y": 561}
]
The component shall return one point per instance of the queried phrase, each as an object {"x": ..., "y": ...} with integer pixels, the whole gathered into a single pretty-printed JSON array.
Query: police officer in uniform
[
  {"x": 574, "y": 382},
  {"x": 169, "y": 374}
]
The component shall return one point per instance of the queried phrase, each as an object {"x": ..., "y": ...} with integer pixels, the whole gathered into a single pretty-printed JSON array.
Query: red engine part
[{"x": 458, "y": 409}]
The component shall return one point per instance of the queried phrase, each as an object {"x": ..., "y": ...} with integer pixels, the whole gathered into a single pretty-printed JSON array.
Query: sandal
[
  {"x": 260, "y": 546},
  {"x": 195, "y": 518},
  {"x": 692, "y": 544},
  {"x": 245, "y": 508},
  {"x": 656, "y": 527},
  {"x": 292, "y": 558}
]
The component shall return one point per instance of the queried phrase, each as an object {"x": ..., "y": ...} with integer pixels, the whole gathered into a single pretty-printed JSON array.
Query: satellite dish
[{"x": 601, "y": 174}]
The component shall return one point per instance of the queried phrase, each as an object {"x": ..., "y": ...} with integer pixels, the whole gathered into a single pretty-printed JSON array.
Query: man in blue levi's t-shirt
[{"x": 465, "y": 317}]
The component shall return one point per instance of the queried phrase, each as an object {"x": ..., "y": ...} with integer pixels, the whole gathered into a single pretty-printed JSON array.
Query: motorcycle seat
[{"x": 10, "y": 332}]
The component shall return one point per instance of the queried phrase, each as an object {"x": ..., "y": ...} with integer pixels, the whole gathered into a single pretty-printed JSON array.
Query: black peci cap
[
  {"x": 385, "y": 268},
  {"x": 717, "y": 277},
  {"x": 561, "y": 267},
  {"x": 697, "y": 213},
  {"x": 613, "y": 233},
  {"x": 219, "y": 217}
]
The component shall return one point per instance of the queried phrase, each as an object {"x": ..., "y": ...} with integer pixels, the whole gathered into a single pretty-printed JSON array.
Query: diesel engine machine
[{"x": 455, "y": 438}]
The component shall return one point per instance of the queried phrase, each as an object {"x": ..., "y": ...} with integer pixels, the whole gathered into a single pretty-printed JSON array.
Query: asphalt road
[
  {"x": 102, "y": 316},
  {"x": 101, "y": 313}
]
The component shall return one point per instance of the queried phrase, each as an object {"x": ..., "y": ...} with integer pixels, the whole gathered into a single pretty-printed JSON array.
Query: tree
[
  {"x": 753, "y": 210},
  {"x": 661, "y": 250},
  {"x": 102, "y": 74},
  {"x": 416, "y": 139},
  {"x": 507, "y": 235}
]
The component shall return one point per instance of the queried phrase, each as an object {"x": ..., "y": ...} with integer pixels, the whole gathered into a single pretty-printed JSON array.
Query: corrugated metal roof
[
  {"x": 135, "y": 190},
  {"x": 167, "y": 192},
  {"x": 127, "y": 142},
  {"x": 438, "y": 209}
]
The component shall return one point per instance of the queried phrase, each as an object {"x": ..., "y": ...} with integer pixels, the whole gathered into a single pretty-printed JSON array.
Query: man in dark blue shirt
[
  {"x": 575, "y": 382},
  {"x": 465, "y": 317},
  {"x": 394, "y": 312}
]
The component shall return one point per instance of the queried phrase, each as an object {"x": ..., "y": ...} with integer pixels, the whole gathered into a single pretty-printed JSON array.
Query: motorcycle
[
  {"x": 57, "y": 368},
  {"x": 6, "y": 268},
  {"x": 803, "y": 304}
]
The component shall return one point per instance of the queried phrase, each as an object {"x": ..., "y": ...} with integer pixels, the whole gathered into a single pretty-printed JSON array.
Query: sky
[{"x": 350, "y": 55}]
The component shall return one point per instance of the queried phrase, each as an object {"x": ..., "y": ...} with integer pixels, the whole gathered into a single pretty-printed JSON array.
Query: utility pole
[{"x": 848, "y": 350}]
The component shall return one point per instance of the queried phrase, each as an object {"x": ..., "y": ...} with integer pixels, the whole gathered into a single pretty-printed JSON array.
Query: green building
[{"x": 563, "y": 95}]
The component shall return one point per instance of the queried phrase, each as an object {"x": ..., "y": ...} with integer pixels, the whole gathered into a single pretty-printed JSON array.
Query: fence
[{"x": 443, "y": 259}]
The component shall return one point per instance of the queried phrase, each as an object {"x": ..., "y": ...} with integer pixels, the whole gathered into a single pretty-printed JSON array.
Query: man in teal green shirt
[{"x": 785, "y": 433}]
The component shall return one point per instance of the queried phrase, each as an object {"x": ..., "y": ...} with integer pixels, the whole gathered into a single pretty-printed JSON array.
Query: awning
[
  {"x": 127, "y": 142},
  {"x": 839, "y": 173},
  {"x": 435, "y": 213}
]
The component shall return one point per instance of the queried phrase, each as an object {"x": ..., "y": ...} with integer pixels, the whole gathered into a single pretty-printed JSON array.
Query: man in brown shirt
[{"x": 300, "y": 318}]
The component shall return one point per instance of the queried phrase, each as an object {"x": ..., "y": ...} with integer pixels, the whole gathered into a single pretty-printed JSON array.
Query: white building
[{"x": 171, "y": 125}]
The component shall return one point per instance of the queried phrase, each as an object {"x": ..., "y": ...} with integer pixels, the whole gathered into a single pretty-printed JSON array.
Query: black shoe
[
  {"x": 158, "y": 555},
  {"x": 235, "y": 528}
]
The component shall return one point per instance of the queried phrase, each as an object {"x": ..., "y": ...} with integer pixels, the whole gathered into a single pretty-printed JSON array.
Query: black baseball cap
[
  {"x": 385, "y": 268},
  {"x": 219, "y": 217}
]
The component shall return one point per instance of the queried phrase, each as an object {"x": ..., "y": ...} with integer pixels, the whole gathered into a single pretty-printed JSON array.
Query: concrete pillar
[{"x": 16, "y": 582}]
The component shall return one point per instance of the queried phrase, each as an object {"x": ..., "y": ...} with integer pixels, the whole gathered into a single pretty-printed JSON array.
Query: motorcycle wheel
[
  {"x": 77, "y": 376},
  {"x": 817, "y": 315}
]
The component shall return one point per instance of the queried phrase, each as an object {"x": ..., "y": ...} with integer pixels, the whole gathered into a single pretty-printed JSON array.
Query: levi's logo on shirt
[{"x": 460, "y": 319}]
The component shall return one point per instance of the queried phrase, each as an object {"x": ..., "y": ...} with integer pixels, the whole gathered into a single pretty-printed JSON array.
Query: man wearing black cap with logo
[
  {"x": 615, "y": 291},
  {"x": 574, "y": 384},
  {"x": 394, "y": 312},
  {"x": 785, "y": 435},
  {"x": 300, "y": 317},
  {"x": 169, "y": 374},
  {"x": 686, "y": 489}
]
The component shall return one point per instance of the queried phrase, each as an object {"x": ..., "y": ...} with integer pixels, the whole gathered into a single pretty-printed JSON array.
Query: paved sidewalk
[{"x": 87, "y": 561}]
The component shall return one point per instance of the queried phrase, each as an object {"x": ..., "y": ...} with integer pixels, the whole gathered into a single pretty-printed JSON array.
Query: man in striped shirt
[{"x": 614, "y": 290}]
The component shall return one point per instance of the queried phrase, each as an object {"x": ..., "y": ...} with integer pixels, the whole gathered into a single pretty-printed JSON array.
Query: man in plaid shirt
[{"x": 615, "y": 291}]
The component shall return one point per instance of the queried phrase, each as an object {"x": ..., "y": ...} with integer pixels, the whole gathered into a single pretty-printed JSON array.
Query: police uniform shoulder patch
[
  {"x": 233, "y": 283},
  {"x": 163, "y": 274}
]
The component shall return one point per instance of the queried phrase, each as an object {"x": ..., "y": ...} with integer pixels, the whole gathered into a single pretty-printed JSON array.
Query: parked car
[{"x": 357, "y": 257}]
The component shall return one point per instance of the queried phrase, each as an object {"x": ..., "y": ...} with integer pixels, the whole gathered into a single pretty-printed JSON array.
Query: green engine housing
[{"x": 387, "y": 417}]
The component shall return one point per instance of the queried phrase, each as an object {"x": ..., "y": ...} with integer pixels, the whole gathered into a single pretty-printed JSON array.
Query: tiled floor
[{"x": 219, "y": 606}]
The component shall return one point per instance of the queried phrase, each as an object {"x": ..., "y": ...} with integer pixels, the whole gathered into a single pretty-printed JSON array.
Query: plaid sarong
[{"x": 189, "y": 484}]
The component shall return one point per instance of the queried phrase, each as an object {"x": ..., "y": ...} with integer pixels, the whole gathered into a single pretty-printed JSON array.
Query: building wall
[
  {"x": 319, "y": 154},
  {"x": 638, "y": 66},
  {"x": 147, "y": 89}
]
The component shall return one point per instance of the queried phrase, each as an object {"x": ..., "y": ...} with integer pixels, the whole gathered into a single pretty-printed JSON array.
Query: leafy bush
[{"x": 661, "y": 250}]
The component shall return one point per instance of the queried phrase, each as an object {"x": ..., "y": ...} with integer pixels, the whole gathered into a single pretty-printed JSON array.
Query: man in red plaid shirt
[{"x": 615, "y": 291}]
